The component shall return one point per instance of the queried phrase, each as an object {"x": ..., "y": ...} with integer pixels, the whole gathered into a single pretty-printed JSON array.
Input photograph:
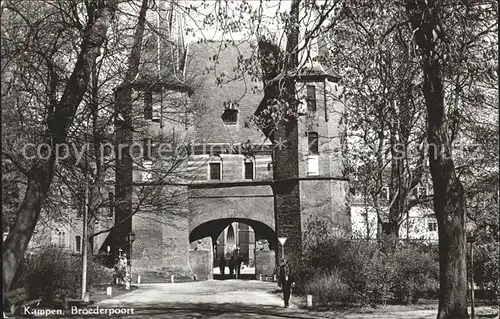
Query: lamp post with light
[
  {"x": 471, "y": 239},
  {"x": 282, "y": 241}
]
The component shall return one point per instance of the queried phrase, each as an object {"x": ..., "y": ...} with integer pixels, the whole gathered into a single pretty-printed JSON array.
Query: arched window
[
  {"x": 230, "y": 115},
  {"x": 62, "y": 238},
  {"x": 230, "y": 234}
]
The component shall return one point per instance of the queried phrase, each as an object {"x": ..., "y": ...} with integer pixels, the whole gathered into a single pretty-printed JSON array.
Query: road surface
[{"x": 232, "y": 298}]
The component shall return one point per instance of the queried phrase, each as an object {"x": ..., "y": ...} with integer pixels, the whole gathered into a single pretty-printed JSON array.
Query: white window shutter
[
  {"x": 157, "y": 107},
  {"x": 312, "y": 165},
  {"x": 302, "y": 107}
]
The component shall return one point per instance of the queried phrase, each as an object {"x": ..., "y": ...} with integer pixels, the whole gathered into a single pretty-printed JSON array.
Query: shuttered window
[
  {"x": 215, "y": 171},
  {"x": 249, "y": 170}
]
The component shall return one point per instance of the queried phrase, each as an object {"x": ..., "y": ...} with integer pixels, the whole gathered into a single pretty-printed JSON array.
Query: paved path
[{"x": 232, "y": 298}]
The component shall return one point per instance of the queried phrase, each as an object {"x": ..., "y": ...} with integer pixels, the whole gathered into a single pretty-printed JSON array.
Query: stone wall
[
  {"x": 264, "y": 263},
  {"x": 160, "y": 246},
  {"x": 201, "y": 263},
  {"x": 162, "y": 239},
  {"x": 288, "y": 216},
  {"x": 238, "y": 202},
  {"x": 232, "y": 166}
]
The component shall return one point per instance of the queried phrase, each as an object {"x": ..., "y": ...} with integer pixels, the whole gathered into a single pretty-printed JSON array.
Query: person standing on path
[
  {"x": 276, "y": 274},
  {"x": 286, "y": 281},
  {"x": 239, "y": 260},
  {"x": 231, "y": 265},
  {"x": 222, "y": 265}
]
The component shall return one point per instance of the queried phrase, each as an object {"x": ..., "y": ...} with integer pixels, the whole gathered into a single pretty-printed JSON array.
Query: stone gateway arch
[
  {"x": 228, "y": 174},
  {"x": 213, "y": 207}
]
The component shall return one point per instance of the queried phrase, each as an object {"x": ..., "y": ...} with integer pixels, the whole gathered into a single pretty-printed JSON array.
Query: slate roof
[{"x": 206, "y": 62}]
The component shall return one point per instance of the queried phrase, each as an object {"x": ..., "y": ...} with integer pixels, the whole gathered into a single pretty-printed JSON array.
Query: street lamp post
[
  {"x": 130, "y": 239},
  {"x": 85, "y": 222},
  {"x": 471, "y": 239}
]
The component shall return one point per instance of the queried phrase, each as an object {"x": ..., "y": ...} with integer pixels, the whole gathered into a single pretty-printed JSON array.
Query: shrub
[
  {"x": 417, "y": 274},
  {"x": 378, "y": 275},
  {"x": 52, "y": 272},
  {"x": 486, "y": 271},
  {"x": 368, "y": 270},
  {"x": 328, "y": 287},
  {"x": 375, "y": 272}
]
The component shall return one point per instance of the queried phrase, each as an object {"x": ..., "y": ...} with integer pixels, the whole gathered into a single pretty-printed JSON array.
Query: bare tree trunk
[
  {"x": 367, "y": 219},
  {"x": 124, "y": 161},
  {"x": 379, "y": 178},
  {"x": 18, "y": 239},
  {"x": 449, "y": 201},
  {"x": 40, "y": 177}
]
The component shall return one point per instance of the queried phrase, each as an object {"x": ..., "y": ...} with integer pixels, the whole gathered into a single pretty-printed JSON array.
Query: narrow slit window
[
  {"x": 62, "y": 238},
  {"x": 313, "y": 143},
  {"x": 249, "y": 170},
  {"x": 311, "y": 98},
  {"x": 146, "y": 148},
  {"x": 148, "y": 105},
  {"x": 78, "y": 243},
  {"x": 111, "y": 209}
]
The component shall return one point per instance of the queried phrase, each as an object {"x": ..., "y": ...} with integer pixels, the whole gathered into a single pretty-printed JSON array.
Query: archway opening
[
  {"x": 234, "y": 250},
  {"x": 235, "y": 241}
]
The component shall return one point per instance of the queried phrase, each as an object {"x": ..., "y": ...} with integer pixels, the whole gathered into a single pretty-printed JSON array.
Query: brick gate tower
[
  {"x": 309, "y": 181},
  {"x": 275, "y": 189}
]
